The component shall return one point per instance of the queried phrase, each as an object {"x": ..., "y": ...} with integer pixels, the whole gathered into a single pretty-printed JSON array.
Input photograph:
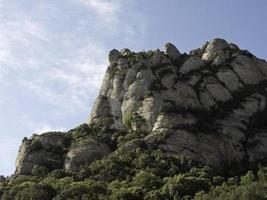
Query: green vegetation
[
  {"x": 136, "y": 170},
  {"x": 139, "y": 172}
]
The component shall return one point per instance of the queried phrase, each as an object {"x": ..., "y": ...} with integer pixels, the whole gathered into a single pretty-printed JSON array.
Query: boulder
[
  {"x": 192, "y": 63},
  {"x": 125, "y": 52},
  {"x": 122, "y": 63},
  {"x": 247, "y": 70},
  {"x": 183, "y": 95},
  {"x": 215, "y": 52},
  {"x": 84, "y": 151},
  {"x": 206, "y": 100},
  {"x": 215, "y": 150},
  {"x": 168, "y": 80},
  {"x": 172, "y": 51},
  {"x": 42, "y": 150},
  {"x": 230, "y": 80},
  {"x": 114, "y": 56}
]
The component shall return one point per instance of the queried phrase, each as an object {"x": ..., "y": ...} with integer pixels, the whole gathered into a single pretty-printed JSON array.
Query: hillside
[{"x": 165, "y": 125}]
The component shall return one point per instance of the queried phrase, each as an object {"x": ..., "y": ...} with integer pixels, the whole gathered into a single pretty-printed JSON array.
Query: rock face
[
  {"x": 85, "y": 151},
  {"x": 2, "y": 178},
  {"x": 56, "y": 150},
  {"x": 205, "y": 103},
  {"x": 209, "y": 105},
  {"x": 45, "y": 150},
  {"x": 172, "y": 51}
]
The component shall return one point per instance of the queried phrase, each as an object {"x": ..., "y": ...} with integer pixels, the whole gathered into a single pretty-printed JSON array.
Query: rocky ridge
[{"x": 209, "y": 105}]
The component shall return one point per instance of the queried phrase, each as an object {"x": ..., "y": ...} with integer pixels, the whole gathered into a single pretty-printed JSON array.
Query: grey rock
[
  {"x": 262, "y": 65},
  {"x": 233, "y": 47},
  {"x": 192, "y": 63},
  {"x": 183, "y": 95},
  {"x": 156, "y": 59},
  {"x": 42, "y": 150},
  {"x": 206, "y": 100},
  {"x": 125, "y": 52},
  {"x": 204, "y": 105},
  {"x": 211, "y": 149},
  {"x": 101, "y": 109},
  {"x": 122, "y": 63},
  {"x": 215, "y": 52},
  {"x": 85, "y": 151},
  {"x": 172, "y": 51},
  {"x": 229, "y": 78},
  {"x": 168, "y": 80},
  {"x": 114, "y": 56},
  {"x": 193, "y": 79},
  {"x": 257, "y": 150},
  {"x": 247, "y": 70},
  {"x": 218, "y": 92},
  {"x": 149, "y": 110},
  {"x": 171, "y": 121}
]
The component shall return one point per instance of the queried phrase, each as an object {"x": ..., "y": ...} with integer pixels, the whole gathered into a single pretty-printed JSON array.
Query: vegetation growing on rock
[{"x": 165, "y": 125}]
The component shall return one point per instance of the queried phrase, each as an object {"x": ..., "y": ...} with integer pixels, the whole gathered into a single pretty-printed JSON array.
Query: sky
[{"x": 53, "y": 53}]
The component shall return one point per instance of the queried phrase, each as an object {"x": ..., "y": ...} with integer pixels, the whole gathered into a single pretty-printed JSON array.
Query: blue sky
[{"x": 53, "y": 53}]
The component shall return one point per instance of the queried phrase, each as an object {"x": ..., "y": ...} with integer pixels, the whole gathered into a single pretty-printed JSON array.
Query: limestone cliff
[{"x": 209, "y": 105}]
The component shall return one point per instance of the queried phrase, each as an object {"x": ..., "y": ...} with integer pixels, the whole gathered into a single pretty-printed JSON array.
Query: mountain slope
[{"x": 165, "y": 125}]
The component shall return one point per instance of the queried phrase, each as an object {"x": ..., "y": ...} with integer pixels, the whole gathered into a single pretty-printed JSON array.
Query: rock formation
[{"x": 209, "y": 105}]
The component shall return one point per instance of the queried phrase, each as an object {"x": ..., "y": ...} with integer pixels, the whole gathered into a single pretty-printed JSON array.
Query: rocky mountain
[{"x": 208, "y": 106}]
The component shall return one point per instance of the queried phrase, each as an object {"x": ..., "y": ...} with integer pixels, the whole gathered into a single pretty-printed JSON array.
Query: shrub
[
  {"x": 35, "y": 144},
  {"x": 39, "y": 171},
  {"x": 36, "y": 192},
  {"x": 181, "y": 185},
  {"x": 247, "y": 179},
  {"x": 127, "y": 193},
  {"x": 146, "y": 180},
  {"x": 82, "y": 190},
  {"x": 128, "y": 120}
]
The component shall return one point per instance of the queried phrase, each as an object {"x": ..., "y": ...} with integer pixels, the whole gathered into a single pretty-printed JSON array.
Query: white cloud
[
  {"x": 106, "y": 10},
  {"x": 58, "y": 68},
  {"x": 46, "y": 128},
  {"x": 51, "y": 54},
  {"x": 76, "y": 81}
]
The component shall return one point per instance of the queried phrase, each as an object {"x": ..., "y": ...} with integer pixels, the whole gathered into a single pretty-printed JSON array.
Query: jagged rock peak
[
  {"x": 209, "y": 105},
  {"x": 204, "y": 100},
  {"x": 172, "y": 51}
]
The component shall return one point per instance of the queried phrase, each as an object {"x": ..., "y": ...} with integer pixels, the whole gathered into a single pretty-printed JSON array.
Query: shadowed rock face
[
  {"x": 209, "y": 105},
  {"x": 85, "y": 151},
  {"x": 55, "y": 150},
  {"x": 205, "y": 103},
  {"x": 43, "y": 150}
]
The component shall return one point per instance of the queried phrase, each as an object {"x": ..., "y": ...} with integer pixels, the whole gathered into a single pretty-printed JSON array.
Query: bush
[
  {"x": 181, "y": 185},
  {"x": 128, "y": 120},
  {"x": 36, "y": 192},
  {"x": 146, "y": 180},
  {"x": 247, "y": 179},
  {"x": 127, "y": 193},
  {"x": 39, "y": 171},
  {"x": 82, "y": 190},
  {"x": 35, "y": 145},
  {"x": 30, "y": 191}
]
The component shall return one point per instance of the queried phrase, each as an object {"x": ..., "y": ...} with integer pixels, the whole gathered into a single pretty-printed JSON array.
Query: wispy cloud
[
  {"x": 53, "y": 57},
  {"x": 46, "y": 128},
  {"x": 107, "y": 11}
]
